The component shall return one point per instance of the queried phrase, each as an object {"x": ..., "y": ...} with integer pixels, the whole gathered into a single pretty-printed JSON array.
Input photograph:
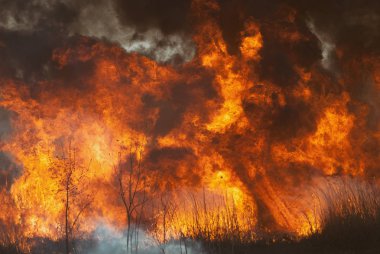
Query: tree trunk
[{"x": 67, "y": 220}]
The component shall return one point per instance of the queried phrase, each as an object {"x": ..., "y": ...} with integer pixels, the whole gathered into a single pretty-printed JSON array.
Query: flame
[{"x": 212, "y": 126}]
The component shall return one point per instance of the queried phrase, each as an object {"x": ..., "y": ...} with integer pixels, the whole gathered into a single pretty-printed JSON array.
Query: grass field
[{"x": 349, "y": 223}]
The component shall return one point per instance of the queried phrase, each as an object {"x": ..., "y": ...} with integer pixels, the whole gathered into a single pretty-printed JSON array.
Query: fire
[
  {"x": 230, "y": 73},
  {"x": 223, "y": 144},
  {"x": 329, "y": 146}
]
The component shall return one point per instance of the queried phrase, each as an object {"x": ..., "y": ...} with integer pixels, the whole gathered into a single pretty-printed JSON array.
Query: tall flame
[{"x": 215, "y": 126}]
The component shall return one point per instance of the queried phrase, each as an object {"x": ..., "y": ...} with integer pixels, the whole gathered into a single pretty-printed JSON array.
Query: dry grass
[
  {"x": 349, "y": 223},
  {"x": 350, "y": 219}
]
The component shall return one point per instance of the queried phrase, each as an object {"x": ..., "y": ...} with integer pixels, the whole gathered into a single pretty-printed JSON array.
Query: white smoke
[
  {"x": 111, "y": 240},
  {"x": 326, "y": 44}
]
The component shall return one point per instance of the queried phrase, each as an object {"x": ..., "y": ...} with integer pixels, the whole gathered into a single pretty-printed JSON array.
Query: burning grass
[{"x": 348, "y": 220}]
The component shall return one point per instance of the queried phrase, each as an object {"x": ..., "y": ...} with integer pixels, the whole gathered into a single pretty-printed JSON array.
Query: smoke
[
  {"x": 5, "y": 125},
  {"x": 35, "y": 15},
  {"x": 9, "y": 170},
  {"x": 327, "y": 47},
  {"x": 43, "y": 22},
  {"x": 111, "y": 240},
  {"x": 101, "y": 20}
]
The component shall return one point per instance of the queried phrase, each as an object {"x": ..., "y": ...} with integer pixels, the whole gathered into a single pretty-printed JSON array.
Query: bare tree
[
  {"x": 73, "y": 182},
  {"x": 131, "y": 187},
  {"x": 168, "y": 211},
  {"x": 163, "y": 229}
]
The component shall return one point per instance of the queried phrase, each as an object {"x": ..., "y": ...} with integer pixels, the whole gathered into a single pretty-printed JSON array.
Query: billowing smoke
[{"x": 120, "y": 22}]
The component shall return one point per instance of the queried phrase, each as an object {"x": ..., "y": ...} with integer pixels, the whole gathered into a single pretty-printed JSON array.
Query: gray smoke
[
  {"x": 101, "y": 21},
  {"x": 98, "y": 19},
  {"x": 5, "y": 125}
]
